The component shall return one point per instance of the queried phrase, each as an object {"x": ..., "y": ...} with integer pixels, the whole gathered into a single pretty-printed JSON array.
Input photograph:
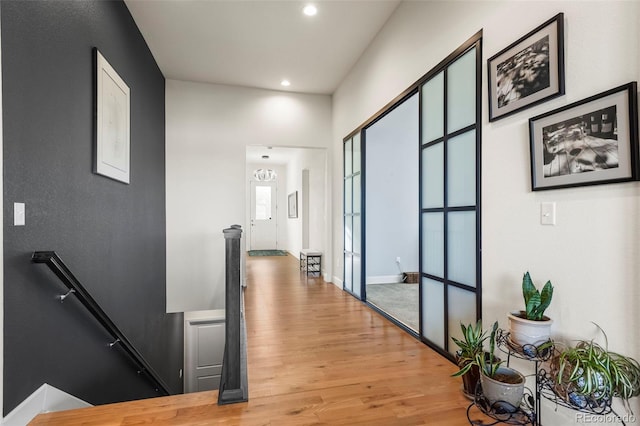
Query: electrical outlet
[{"x": 398, "y": 259}]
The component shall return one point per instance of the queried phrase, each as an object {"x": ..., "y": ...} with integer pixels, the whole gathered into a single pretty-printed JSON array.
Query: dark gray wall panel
[{"x": 110, "y": 234}]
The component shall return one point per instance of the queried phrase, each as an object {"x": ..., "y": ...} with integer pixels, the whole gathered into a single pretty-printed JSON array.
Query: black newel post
[{"x": 233, "y": 383}]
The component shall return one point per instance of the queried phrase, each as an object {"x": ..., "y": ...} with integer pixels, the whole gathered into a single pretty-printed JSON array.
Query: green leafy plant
[
  {"x": 536, "y": 302},
  {"x": 589, "y": 375},
  {"x": 487, "y": 362},
  {"x": 470, "y": 346}
]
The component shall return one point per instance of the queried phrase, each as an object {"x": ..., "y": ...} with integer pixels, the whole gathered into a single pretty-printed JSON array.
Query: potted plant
[
  {"x": 588, "y": 375},
  {"x": 471, "y": 345},
  {"x": 503, "y": 387},
  {"x": 531, "y": 326}
]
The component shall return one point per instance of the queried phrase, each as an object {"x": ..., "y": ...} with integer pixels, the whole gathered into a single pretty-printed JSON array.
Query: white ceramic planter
[
  {"x": 498, "y": 392},
  {"x": 527, "y": 332}
]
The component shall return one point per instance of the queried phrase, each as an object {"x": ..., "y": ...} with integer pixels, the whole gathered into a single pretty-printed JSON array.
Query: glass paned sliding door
[
  {"x": 449, "y": 197},
  {"x": 352, "y": 216}
]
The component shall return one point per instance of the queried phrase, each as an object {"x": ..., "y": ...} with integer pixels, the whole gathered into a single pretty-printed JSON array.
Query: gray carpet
[{"x": 401, "y": 301}]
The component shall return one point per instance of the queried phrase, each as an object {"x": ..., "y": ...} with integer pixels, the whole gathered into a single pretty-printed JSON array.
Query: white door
[
  {"x": 264, "y": 224},
  {"x": 204, "y": 352}
]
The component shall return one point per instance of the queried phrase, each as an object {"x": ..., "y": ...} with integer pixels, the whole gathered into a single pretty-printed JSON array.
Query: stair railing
[{"x": 55, "y": 263}]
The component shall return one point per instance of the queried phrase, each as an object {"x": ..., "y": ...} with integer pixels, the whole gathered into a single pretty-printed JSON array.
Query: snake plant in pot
[
  {"x": 531, "y": 327},
  {"x": 471, "y": 345},
  {"x": 503, "y": 387}
]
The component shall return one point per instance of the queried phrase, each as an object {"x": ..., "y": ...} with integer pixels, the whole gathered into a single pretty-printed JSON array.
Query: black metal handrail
[{"x": 59, "y": 268}]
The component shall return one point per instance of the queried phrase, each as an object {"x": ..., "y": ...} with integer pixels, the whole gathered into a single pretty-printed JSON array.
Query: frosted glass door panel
[
  {"x": 433, "y": 109},
  {"x": 357, "y": 235},
  {"x": 348, "y": 233},
  {"x": 433, "y": 244},
  {"x": 462, "y": 309},
  {"x": 433, "y": 176},
  {"x": 356, "y": 153},
  {"x": 348, "y": 272},
  {"x": 348, "y": 195},
  {"x": 357, "y": 197},
  {"x": 461, "y": 170},
  {"x": 433, "y": 311},
  {"x": 357, "y": 272},
  {"x": 461, "y": 92},
  {"x": 461, "y": 237},
  {"x": 348, "y": 158}
]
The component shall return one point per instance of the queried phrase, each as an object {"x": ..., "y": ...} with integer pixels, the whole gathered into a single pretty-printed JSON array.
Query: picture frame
[
  {"x": 113, "y": 122},
  {"x": 589, "y": 142},
  {"x": 528, "y": 71},
  {"x": 293, "y": 204}
]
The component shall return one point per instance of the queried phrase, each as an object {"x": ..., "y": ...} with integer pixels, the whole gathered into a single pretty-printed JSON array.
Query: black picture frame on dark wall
[
  {"x": 589, "y": 142},
  {"x": 528, "y": 71}
]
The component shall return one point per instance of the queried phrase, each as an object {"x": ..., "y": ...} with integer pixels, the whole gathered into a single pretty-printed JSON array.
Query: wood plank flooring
[{"x": 316, "y": 356}]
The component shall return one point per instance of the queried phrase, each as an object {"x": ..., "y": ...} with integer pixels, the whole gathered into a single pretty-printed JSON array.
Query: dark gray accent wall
[{"x": 110, "y": 234}]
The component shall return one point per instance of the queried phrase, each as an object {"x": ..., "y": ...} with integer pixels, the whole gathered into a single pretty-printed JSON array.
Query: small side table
[{"x": 311, "y": 262}]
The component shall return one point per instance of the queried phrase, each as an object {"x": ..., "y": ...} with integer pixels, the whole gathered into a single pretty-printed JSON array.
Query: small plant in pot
[
  {"x": 471, "y": 346},
  {"x": 588, "y": 375},
  {"x": 502, "y": 386},
  {"x": 531, "y": 328}
]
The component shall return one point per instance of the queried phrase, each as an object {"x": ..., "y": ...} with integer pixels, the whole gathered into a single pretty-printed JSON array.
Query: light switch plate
[
  {"x": 548, "y": 213},
  {"x": 18, "y": 214}
]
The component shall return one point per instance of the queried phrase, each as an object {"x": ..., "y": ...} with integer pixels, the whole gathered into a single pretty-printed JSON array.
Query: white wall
[
  {"x": 591, "y": 255},
  {"x": 313, "y": 160},
  {"x": 208, "y": 129},
  {"x": 392, "y": 185}
]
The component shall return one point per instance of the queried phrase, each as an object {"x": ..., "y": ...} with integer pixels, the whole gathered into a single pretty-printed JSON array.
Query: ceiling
[
  {"x": 258, "y": 43},
  {"x": 278, "y": 155}
]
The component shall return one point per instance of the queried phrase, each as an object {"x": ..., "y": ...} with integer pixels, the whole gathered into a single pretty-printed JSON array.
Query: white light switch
[
  {"x": 18, "y": 214},
  {"x": 548, "y": 213}
]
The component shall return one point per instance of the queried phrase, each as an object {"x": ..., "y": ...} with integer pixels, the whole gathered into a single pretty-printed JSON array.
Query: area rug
[{"x": 267, "y": 253}]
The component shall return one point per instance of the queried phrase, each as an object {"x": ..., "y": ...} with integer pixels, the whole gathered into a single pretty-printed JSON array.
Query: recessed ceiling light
[
  {"x": 310, "y": 10},
  {"x": 285, "y": 83}
]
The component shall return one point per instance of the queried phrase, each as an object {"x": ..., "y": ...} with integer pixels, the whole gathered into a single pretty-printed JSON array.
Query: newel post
[{"x": 233, "y": 383}]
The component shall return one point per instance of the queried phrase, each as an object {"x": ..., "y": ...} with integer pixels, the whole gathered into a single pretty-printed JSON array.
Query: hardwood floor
[{"x": 316, "y": 355}]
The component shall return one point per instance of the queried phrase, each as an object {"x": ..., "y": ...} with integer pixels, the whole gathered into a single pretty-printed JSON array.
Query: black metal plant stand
[{"x": 501, "y": 411}]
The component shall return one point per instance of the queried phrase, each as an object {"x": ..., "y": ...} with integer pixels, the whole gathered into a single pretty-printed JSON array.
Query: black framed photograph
[
  {"x": 589, "y": 142},
  {"x": 529, "y": 71},
  {"x": 293, "y": 204}
]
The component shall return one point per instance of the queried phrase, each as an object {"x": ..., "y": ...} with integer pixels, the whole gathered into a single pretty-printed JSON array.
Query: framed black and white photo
[
  {"x": 529, "y": 71},
  {"x": 112, "y": 122},
  {"x": 293, "y": 204},
  {"x": 589, "y": 142}
]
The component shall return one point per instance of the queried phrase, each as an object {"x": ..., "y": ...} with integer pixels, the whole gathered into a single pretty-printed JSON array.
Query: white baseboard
[
  {"x": 384, "y": 279},
  {"x": 337, "y": 282},
  {"x": 45, "y": 399}
]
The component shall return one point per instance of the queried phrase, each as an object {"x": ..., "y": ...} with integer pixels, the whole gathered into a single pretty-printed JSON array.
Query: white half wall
[
  {"x": 592, "y": 254},
  {"x": 208, "y": 128}
]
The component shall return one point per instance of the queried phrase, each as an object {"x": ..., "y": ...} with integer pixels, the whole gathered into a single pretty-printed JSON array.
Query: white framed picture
[{"x": 113, "y": 123}]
